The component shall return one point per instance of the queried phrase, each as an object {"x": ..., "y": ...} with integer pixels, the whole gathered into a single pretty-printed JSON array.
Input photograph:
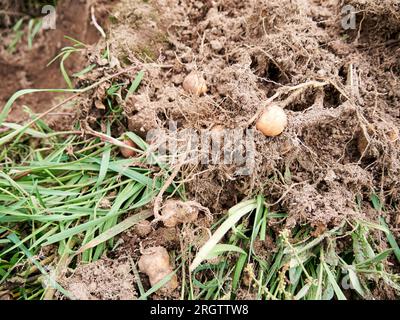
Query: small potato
[
  {"x": 194, "y": 83},
  {"x": 126, "y": 152},
  {"x": 156, "y": 265},
  {"x": 143, "y": 228},
  {"x": 273, "y": 121}
]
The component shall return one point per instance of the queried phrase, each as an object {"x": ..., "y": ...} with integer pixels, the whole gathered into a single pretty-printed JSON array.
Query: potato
[
  {"x": 155, "y": 264},
  {"x": 194, "y": 83},
  {"x": 272, "y": 122},
  {"x": 143, "y": 228},
  {"x": 126, "y": 152}
]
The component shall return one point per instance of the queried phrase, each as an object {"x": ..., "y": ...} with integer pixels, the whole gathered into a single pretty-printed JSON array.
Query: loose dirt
[
  {"x": 27, "y": 67},
  {"x": 296, "y": 52},
  {"x": 340, "y": 90},
  {"x": 104, "y": 279}
]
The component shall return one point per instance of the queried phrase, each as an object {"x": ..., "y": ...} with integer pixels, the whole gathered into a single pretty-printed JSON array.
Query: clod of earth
[
  {"x": 194, "y": 83},
  {"x": 216, "y": 45},
  {"x": 126, "y": 152},
  {"x": 143, "y": 228},
  {"x": 176, "y": 212},
  {"x": 156, "y": 265},
  {"x": 393, "y": 134},
  {"x": 273, "y": 121}
]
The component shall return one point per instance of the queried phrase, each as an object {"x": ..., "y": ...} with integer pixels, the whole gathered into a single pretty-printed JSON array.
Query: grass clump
[
  {"x": 69, "y": 193},
  {"x": 342, "y": 263},
  {"x": 64, "y": 196}
]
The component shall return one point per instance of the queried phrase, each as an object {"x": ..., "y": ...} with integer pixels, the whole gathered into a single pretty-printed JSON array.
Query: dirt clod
[
  {"x": 156, "y": 265},
  {"x": 143, "y": 228},
  {"x": 175, "y": 212}
]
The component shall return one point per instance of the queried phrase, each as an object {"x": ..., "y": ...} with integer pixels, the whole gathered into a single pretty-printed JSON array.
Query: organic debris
[{"x": 104, "y": 279}]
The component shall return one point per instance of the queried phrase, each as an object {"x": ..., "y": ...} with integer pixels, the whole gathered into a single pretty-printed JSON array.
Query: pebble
[{"x": 216, "y": 45}]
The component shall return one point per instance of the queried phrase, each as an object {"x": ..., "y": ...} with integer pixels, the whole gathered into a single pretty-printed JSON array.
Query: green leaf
[
  {"x": 135, "y": 84},
  {"x": 235, "y": 214},
  {"x": 158, "y": 285},
  {"x": 223, "y": 248},
  {"x": 391, "y": 239},
  {"x": 375, "y": 260},
  {"x": 376, "y": 202},
  {"x": 84, "y": 71},
  {"x": 18, "y": 94},
  {"x": 238, "y": 271},
  {"x": 105, "y": 160},
  {"x": 332, "y": 280},
  {"x": 51, "y": 282},
  {"x": 355, "y": 282},
  {"x": 257, "y": 221},
  {"x": 303, "y": 292},
  {"x": 117, "y": 229}
]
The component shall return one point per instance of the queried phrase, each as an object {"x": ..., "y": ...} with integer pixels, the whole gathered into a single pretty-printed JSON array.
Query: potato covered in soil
[
  {"x": 143, "y": 228},
  {"x": 156, "y": 265},
  {"x": 194, "y": 83},
  {"x": 393, "y": 134},
  {"x": 126, "y": 152},
  {"x": 176, "y": 212},
  {"x": 273, "y": 121}
]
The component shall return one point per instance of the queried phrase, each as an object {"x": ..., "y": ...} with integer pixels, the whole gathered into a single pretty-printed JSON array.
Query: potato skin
[
  {"x": 156, "y": 265},
  {"x": 194, "y": 83},
  {"x": 272, "y": 121},
  {"x": 128, "y": 153}
]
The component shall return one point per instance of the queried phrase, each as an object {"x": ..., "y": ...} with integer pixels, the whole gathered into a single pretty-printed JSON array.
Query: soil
[
  {"x": 340, "y": 90},
  {"x": 27, "y": 67},
  {"x": 104, "y": 279},
  {"x": 247, "y": 52}
]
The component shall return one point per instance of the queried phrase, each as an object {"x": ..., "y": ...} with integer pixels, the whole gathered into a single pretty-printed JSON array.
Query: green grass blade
[
  {"x": 236, "y": 213},
  {"x": 332, "y": 280},
  {"x": 51, "y": 282},
  {"x": 224, "y": 248},
  {"x": 391, "y": 239},
  {"x": 117, "y": 229},
  {"x": 135, "y": 84}
]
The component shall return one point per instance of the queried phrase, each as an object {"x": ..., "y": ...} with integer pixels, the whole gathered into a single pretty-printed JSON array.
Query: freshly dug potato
[
  {"x": 273, "y": 121},
  {"x": 126, "y": 152},
  {"x": 155, "y": 264},
  {"x": 176, "y": 212},
  {"x": 143, "y": 228},
  {"x": 194, "y": 83}
]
